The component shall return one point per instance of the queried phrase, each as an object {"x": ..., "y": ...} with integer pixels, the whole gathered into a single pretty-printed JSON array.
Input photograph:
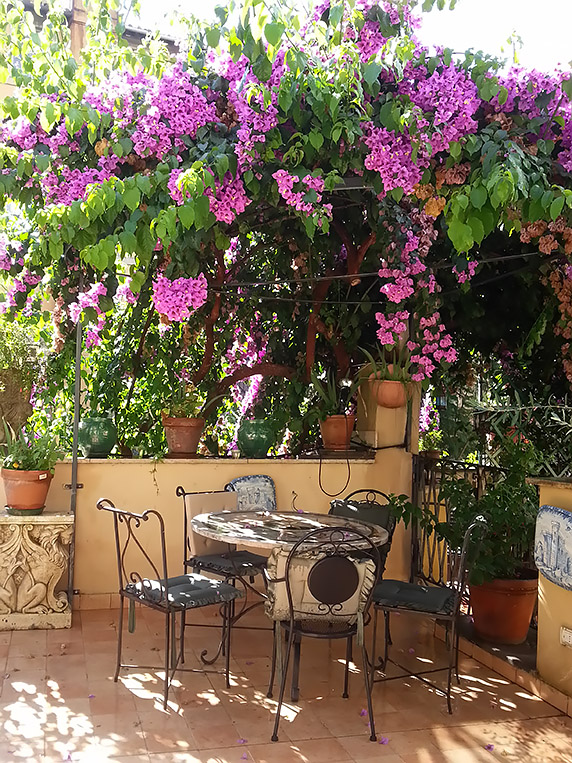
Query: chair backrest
[
  {"x": 256, "y": 492},
  {"x": 369, "y": 506},
  {"x": 460, "y": 566},
  {"x": 140, "y": 549},
  {"x": 201, "y": 503},
  {"x": 328, "y": 575}
]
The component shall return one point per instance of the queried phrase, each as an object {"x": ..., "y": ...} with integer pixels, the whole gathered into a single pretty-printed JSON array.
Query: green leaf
[
  {"x": 503, "y": 95},
  {"x": 132, "y": 198},
  {"x": 371, "y": 72},
  {"x": 478, "y": 229},
  {"x": 273, "y": 33},
  {"x": 461, "y": 235},
  {"x": 128, "y": 241},
  {"x": 137, "y": 280},
  {"x": 316, "y": 139},
  {"x": 567, "y": 87},
  {"x": 262, "y": 68},
  {"x": 556, "y": 207},
  {"x": 478, "y": 196},
  {"x": 186, "y": 215},
  {"x": 202, "y": 208},
  {"x": 213, "y": 36}
]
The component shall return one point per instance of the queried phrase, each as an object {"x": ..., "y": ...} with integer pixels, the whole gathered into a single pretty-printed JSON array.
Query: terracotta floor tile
[{"x": 68, "y": 705}]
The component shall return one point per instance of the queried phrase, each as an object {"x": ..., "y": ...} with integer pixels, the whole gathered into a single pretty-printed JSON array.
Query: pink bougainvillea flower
[
  {"x": 384, "y": 740},
  {"x": 363, "y": 712},
  {"x": 489, "y": 747}
]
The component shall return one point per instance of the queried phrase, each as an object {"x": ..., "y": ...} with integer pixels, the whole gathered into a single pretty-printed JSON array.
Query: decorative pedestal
[{"x": 34, "y": 554}]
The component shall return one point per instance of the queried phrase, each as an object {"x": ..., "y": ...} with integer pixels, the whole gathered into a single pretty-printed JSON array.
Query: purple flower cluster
[
  {"x": 177, "y": 299},
  {"x": 465, "y": 275},
  {"x": 391, "y": 155},
  {"x": 392, "y": 327},
  {"x": 89, "y": 298},
  {"x": 434, "y": 349},
  {"x": 68, "y": 185},
  {"x": 298, "y": 198}
]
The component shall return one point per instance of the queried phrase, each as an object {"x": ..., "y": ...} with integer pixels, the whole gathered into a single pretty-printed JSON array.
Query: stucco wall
[{"x": 554, "y": 661}]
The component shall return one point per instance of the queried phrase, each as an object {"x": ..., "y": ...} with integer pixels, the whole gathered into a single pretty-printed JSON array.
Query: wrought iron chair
[
  {"x": 256, "y": 492},
  {"x": 144, "y": 579},
  {"x": 218, "y": 558},
  {"x": 441, "y": 602},
  {"x": 212, "y": 555},
  {"x": 320, "y": 589},
  {"x": 365, "y": 505}
]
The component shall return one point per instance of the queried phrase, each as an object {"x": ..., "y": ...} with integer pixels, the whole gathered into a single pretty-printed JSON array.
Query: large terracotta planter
[
  {"x": 389, "y": 393},
  {"x": 255, "y": 437},
  {"x": 502, "y": 609},
  {"x": 336, "y": 432},
  {"x": 182, "y": 435},
  {"x": 26, "y": 491}
]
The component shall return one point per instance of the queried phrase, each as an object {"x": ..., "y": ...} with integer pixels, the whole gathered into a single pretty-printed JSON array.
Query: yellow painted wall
[
  {"x": 138, "y": 484},
  {"x": 554, "y": 661}
]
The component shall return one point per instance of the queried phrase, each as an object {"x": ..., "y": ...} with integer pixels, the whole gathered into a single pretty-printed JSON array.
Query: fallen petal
[
  {"x": 363, "y": 712},
  {"x": 489, "y": 747},
  {"x": 384, "y": 740}
]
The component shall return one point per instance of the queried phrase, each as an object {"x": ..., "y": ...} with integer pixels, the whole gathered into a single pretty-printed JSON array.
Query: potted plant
[
  {"x": 389, "y": 376},
  {"x": 183, "y": 421},
  {"x": 502, "y": 581},
  {"x": 333, "y": 405},
  {"x": 97, "y": 436},
  {"x": 27, "y": 470},
  {"x": 430, "y": 443}
]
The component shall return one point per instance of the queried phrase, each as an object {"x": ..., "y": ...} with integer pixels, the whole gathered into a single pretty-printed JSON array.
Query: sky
[{"x": 545, "y": 27}]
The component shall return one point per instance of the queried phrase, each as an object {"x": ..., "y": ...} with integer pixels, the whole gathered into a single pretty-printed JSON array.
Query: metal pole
[{"x": 76, "y": 417}]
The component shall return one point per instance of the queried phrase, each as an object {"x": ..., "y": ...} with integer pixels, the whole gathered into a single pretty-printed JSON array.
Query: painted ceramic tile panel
[
  {"x": 256, "y": 492},
  {"x": 553, "y": 545}
]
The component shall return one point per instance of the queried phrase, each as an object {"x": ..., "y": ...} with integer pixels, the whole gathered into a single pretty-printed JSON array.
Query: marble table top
[{"x": 268, "y": 529}]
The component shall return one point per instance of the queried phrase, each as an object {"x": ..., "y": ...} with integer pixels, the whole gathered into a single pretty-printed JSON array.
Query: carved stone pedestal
[{"x": 34, "y": 554}]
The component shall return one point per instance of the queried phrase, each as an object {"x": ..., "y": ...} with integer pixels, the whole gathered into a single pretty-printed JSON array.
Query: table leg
[{"x": 295, "y": 689}]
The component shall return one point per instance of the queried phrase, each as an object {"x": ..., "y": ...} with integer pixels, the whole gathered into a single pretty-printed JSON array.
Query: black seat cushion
[
  {"x": 185, "y": 591},
  {"x": 239, "y": 563},
  {"x": 418, "y": 598}
]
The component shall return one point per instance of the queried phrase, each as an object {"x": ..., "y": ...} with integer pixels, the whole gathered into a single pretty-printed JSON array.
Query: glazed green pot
[
  {"x": 255, "y": 437},
  {"x": 97, "y": 436}
]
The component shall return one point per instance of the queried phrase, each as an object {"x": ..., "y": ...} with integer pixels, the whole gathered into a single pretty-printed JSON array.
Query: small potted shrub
[
  {"x": 334, "y": 405},
  {"x": 502, "y": 581},
  {"x": 27, "y": 470},
  {"x": 389, "y": 376}
]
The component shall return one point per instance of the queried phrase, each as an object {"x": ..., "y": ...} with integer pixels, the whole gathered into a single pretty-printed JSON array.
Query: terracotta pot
[
  {"x": 502, "y": 609},
  {"x": 26, "y": 491},
  {"x": 336, "y": 432},
  {"x": 389, "y": 393},
  {"x": 431, "y": 455},
  {"x": 183, "y": 435}
]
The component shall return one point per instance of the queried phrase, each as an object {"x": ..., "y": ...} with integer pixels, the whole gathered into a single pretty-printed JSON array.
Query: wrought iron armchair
[
  {"x": 365, "y": 505},
  {"x": 144, "y": 579},
  {"x": 441, "y": 602},
  {"x": 321, "y": 589}
]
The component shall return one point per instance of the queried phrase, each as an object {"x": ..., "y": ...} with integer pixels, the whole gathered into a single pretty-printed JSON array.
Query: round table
[{"x": 268, "y": 529}]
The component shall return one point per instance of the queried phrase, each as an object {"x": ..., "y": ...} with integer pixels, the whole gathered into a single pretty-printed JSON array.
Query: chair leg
[
  {"x": 295, "y": 688},
  {"x": 274, "y": 736},
  {"x": 452, "y": 643},
  {"x": 387, "y": 638},
  {"x": 119, "y": 637},
  {"x": 275, "y": 646},
  {"x": 373, "y": 646},
  {"x": 368, "y": 685},
  {"x": 167, "y": 657},
  {"x": 174, "y": 656},
  {"x": 227, "y": 615},
  {"x": 182, "y": 637},
  {"x": 457, "y": 637},
  {"x": 349, "y": 640}
]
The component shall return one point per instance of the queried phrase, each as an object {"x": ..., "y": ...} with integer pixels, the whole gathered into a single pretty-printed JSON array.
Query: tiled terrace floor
[{"x": 59, "y": 703}]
